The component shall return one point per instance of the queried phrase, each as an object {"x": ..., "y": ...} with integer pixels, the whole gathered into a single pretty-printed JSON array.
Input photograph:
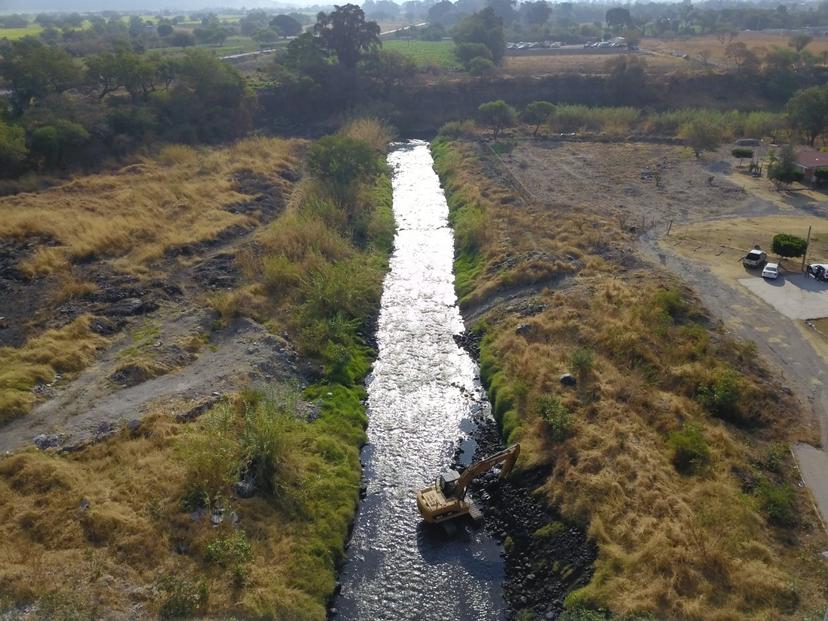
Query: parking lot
[{"x": 794, "y": 295}]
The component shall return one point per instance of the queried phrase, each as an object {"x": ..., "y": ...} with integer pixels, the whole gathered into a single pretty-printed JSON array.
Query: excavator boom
[{"x": 445, "y": 499}]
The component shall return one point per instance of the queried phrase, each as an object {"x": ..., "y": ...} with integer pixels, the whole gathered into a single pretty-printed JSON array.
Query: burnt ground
[{"x": 168, "y": 352}]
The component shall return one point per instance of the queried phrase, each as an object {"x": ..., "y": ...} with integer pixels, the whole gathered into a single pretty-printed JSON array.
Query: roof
[{"x": 812, "y": 159}]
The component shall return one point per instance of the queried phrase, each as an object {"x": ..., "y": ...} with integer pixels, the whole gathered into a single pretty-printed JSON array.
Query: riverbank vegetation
[
  {"x": 668, "y": 449},
  {"x": 245, "y": 510}
]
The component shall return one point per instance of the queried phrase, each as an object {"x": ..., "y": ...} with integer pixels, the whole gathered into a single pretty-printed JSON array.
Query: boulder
[{"x": 567, "y": 379}]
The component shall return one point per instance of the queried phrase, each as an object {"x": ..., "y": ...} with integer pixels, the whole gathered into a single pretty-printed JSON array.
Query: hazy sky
[{"x": 29, "y": 6}]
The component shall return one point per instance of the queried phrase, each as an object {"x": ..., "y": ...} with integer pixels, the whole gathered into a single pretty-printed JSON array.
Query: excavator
[{"x": 445, "y": 499}]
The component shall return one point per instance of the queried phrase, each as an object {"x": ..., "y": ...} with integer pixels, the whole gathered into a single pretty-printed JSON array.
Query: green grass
[
  {"x": 18, "y": 33},
  {"x": 440, "y": 53}
]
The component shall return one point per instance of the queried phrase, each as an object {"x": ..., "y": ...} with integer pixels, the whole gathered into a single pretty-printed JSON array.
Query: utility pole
[{"x": 805, "y": 254}]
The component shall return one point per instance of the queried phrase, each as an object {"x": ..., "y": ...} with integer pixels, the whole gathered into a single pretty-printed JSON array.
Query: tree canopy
[
  {"x": 808, "y": 112},
  {"x": 497, "y": 115},
  {"x": 483, "y": 27},
  {"x": 346, "y": 33}
]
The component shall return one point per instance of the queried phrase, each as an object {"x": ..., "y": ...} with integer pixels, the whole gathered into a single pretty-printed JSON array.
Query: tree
[
  {"x": 537, "y": 13},
  {"x": 483, "y": 27},
  {"x": 618, "y": 17},
  {"x": 627, "y": 76},
  {"x": 389, "y": 68},
  {"x": 34, "y": 70},
  {"x": 800, "y": 42},
  {"x": 342, "y": 163},
  {"x": 742, "y": 57},
  {"x": 808, "y": 112},
  {"x": 782, "y": 170},
  {"x": 789, "y": 246},
  {"x": 12, "y": 148},
  {"x": 306, "y": 56},
  {"x": 701, "y": 135},
  {"x": 182, "y": 39},
  {"x": 286, "y": 25},
  {"x": 481, "y": 67},
  {"x": 497, "y": 115},
  {"x": 164, "y": 30},
  {"x": 504, "y": 9},
  {"x": 537, "y": 113},
  {"x": 466, "y": 51},
  {"x": 346, "y": 33},
  {"x": 51, "y": 143}
]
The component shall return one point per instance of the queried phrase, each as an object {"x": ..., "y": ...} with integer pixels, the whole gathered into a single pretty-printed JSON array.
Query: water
[{"x": 422, "y": 397}]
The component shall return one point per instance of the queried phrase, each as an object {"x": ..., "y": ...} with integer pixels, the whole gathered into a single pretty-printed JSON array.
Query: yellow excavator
[{"x": 445, "y": 499}]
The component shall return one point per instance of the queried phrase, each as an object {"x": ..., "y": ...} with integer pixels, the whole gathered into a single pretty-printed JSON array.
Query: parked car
[
  {"x": 755, "y": 258},
  {"x": 819, "y": 271},
  {"x": 771, "y": 271}
]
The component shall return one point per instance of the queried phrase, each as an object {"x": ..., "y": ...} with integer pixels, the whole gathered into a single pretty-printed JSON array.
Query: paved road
[{"x": 787, "y": 350}]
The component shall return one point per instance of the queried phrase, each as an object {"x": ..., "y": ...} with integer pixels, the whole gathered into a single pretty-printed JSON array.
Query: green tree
[
  {"x": 808, "y": 112},
  {"x": 497, "y": 115},
  {"x": 782, "y": 170},
  {"x": 34, "y": 70},
  {"x": 481, "y": 67},
  {"x": 52, "y": 143},
  {"x": 389, "y": 68},
  {"x": 182, "y": 39},
  {"x": 346, "y": 33},
  {"x": 466, "y": 51},
  {"x": 537, "y": 13},
  {"x": 701, "y": 135},
  {"x": 618, "y": 17},
  {"x": 789, "y": 246},
  {"x": 286, "y": 25},
  {"x": 12, "y": 148},
  {"x": 483, "y": 27},
  {"x": 800, "y": 42},
  {"x": 537, "y": 113},
  {"x": 164, "y": 29}
]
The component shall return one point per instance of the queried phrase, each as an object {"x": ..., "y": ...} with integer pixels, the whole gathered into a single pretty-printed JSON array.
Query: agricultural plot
[{"x": 425, "y": 53}]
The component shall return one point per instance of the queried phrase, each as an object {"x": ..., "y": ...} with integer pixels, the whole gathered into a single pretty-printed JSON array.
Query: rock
[
  {"x": 45, "y": 441},
  {"x": 245, "y": 488},
  {"x": 84, "y": 504},
  {"x": 130, "y": 306},
  {"x": 567, "y": 379},
  {"x": 134, "y": 425},
  {"x": 523, "y": 329},
  {"x": 217, "y": 517}
]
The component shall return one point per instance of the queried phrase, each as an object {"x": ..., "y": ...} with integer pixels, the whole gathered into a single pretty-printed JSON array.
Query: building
[{"x": 808, "y": 161}]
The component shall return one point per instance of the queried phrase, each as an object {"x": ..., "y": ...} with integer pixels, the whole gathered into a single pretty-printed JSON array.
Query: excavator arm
[{"x": 507, "y": 457}]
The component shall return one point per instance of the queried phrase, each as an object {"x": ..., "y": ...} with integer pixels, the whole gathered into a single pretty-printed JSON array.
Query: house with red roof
[{"x": 808, "y": 161}]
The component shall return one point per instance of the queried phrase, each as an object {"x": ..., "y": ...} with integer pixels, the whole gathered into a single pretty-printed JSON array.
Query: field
[
  {"x": 581, "y": 64},
  {"x": 757, "y": 41},
  {"x": 19, "y": 33},
  {"x": 425, "y": 53},
  {"x": 559, "y": 286}
]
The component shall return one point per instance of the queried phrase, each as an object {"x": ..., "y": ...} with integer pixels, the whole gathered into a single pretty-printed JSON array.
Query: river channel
[{"x": 424, "y": 396}]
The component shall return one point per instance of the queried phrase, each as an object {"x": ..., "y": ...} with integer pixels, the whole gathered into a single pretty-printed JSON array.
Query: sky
[{"x": 30, "y": 6}]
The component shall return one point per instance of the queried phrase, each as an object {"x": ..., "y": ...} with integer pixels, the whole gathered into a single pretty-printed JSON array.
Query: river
[{"x": 423, "y": 396}]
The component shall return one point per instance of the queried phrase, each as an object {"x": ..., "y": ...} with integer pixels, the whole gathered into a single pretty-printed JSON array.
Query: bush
[
  {"x": 742, "y": 153},
  {"x": 581, "y": 362},
  {"x": 212, "y": 456},
  {"x": 471, "y": 229},
  {"x": 457, "y": 129},
  {"x": 182, "y": 597},
  {"x": 340, "y": 162},
  {"x": 721, "y": 396},
  {"x": 465, "y": 52},
  {"x": 480, "y": 67},
  {"x": 537, "y": 113},
  {"x": 228, "y": 551},
  {"x": 778, "y": 502},
  {"x": 786, "y": 245},
  {"x": 556, "y": 415},
  {"x": 691, "y": 454}
]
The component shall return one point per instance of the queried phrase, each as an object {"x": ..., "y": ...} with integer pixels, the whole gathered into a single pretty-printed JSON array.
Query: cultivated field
[
  {"x": 425, "y": 53},
  {"x": 582, "y": 64},
  {"x": 757, "y": 41}
]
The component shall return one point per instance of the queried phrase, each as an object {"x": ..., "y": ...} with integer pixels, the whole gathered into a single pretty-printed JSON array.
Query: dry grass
[
  {"x": 694, "y": 547},
  {"x": 64, "y": 350},
  {"x": 137, "y": 213},
  {"x": 582, "y": 64},
  {"x": 101, "y": 529},
  {"x": 759, "y": 42},
  {"x": 372, "y": 131}
]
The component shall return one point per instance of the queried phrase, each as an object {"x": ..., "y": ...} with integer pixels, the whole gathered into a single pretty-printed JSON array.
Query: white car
[
  {"x": 755, "y": 258},
  {"x": 771, "y": 271}
]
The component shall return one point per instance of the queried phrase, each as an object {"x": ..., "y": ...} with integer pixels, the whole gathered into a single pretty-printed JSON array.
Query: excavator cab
[{"x": 445, "y": 499}]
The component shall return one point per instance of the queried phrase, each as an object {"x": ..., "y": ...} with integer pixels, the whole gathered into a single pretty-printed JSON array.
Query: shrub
[
  {"x": 670, "y": 302},
  {"x": 691, "y": 454},
  {"x": 341, "y": 162},
  {"x": 480, "y": 67},
  {"x": 263, "y": 445},
  {"x": 471, "y": 229},
  {"x": 778, "y": 502},
  {"x": 742, "y": 153},
  {"x": 212, "y": 456},
  {"x": 721, "y": 396},
  {"x": 786, "y": 245},
  {"x": 537, "y": 113},
  {"x": 373, "y": 132},
  {"x": 457, "y": 129},
  {"x": 228, "y": 551},
  {"x": 581, "y": 362},
  {"x": 182, "y": 597},
  {"x": 774, "y": 457},
  {"x": 556, "y": 415},
  {"x": 465, "y": 52}
]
